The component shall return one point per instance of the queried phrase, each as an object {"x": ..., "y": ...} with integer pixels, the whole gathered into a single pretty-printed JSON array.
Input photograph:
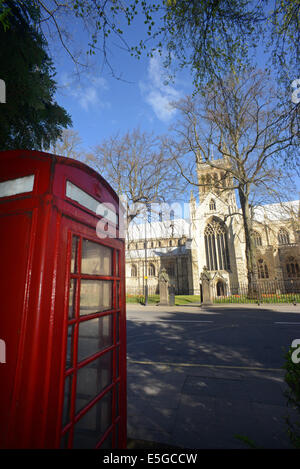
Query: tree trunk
[{"x": 250, "y": 247}]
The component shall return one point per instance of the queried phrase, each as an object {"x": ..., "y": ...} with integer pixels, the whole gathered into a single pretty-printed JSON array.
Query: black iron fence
[{"x": 266, "y": 291}]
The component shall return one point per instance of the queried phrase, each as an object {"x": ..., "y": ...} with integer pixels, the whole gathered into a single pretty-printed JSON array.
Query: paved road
[{"x": 197, "y": 378}]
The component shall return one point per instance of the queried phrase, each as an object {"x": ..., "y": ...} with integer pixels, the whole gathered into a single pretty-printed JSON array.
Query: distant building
[{"x": 214, "y": 237}]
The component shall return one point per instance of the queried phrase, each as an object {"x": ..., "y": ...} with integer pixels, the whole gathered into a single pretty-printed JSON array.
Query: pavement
[{"x": 209, "y": 378}]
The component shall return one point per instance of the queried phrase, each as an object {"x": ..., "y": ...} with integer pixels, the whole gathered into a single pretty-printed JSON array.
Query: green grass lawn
[
  {"x": 190, "y": 299},
  {"x": 154, "y": 299},
  {"x": 264, "y": 298}
]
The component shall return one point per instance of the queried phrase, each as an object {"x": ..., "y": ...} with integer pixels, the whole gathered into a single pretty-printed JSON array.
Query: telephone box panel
[{"x": 62, "y": 315}]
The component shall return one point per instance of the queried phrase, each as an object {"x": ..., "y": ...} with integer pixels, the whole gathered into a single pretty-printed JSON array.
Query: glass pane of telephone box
[
  {"x": 67, "y": 400},
  {"x": 95, "y": 259},
  {"x": 93, "y": 378},
  {"x": 92, "y": 426},
  {"x": 72, "y": 298},
  {"x": 74, "y": 256},
  {"x": 94, "y": 335},
  {"x": 95, "y": 296}
]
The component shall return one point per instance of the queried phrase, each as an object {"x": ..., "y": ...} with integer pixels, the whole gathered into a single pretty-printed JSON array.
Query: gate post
[{"x": 206, "y": 287}]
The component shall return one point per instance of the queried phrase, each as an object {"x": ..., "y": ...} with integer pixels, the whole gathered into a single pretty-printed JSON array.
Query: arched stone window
[
  {"x": 151, "y": 270},
  {"x": 133, "y": 272},
  {"x": 292, "y": 267},
  {"x": 212, "y": 205},
  {"x": 262, "y": 269},
  {"x": 283, "y": 236},
  {"x": 216, "y": 247},
  {"x": 257, "y": 239}
]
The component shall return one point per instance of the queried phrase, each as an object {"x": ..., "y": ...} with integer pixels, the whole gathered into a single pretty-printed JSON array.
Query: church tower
[{"x": 216, "y": 180}]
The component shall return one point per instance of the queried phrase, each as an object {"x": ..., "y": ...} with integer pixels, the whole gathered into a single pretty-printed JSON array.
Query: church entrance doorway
[{"x": 220, "y": 288}]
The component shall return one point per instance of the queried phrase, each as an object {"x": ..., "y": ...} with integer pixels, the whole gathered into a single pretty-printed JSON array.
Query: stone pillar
[
  {"x": 172, "y": 295},
  {"x": 206, "y": 287},
  {"x": 163, "y": 287},
  {"x": 163, "y": 292}
]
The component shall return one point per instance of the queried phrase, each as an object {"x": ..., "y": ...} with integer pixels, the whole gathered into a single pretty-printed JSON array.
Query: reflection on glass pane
[
  {"x": 118, "y": 327},
  {"x": 67, "y": 401},
  {"x": 117, "y": 352},
  {"x": 92, "y": 379},
  {"x": 118, "y": 295},
  {"x": 72, "y": 296},
  {"x": 95, "y": 259},
  {"x": 91, "y": 427},
  {"x": 94, "y": 336},
  {"x": 69, "y": 361},
  {"x": 95, "y": 296},
  {"x": 74, "y": 266},
  {"x": 117, "y": 263}
]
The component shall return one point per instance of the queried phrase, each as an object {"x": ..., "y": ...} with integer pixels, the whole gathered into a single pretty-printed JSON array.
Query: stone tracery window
[
  {"x": 292, "y": 268},
  {"x": 262, "y": 269},
  {"x": 283, "y": 236},
  {"x": 212, "y": 205},
  {"x": 133, "y": 272},
  {"x": 216, "y": 248},
  {"x": 151, "y": 270},
  {"x": 257, "y": 239}
]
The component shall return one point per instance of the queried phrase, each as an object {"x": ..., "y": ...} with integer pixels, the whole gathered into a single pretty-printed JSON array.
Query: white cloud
[
  {"x": 88, "y": 92},
  {"x": 156, "y": 93}
]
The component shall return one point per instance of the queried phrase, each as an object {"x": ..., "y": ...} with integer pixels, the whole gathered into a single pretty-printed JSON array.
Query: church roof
[
  {"x": 277, "y": 212},
  {"x": 159, "y": 230}
]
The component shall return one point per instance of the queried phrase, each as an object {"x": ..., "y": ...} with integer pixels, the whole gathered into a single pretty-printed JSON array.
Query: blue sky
[{"x": 101, "y": 105}]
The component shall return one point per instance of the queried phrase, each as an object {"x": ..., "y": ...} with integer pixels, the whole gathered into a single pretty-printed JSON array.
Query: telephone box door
[{"x": 93, "y": 372}]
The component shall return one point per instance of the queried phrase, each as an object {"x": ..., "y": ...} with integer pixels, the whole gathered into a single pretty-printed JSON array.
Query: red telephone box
[{"x": 62, "y": 316}]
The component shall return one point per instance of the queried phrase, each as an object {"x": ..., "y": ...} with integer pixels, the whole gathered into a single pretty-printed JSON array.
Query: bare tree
[
  {"x": 240, "y": 124},
  {"x": 68, "y": 145},
  {"x": 140, "y": 171}
]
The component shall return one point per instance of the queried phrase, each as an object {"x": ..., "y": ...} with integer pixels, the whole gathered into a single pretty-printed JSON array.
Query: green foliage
[
  {"x": 292, "y": 379},
  {"x": 4, "y": 13},
  {"x": 216, "y": 37},
  {"x": 250, "y": 443},
  {"x": 30, "y": 118}
]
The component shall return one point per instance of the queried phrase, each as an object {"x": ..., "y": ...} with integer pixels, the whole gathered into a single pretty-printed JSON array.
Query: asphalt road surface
[{"x": 209, "y": 378}]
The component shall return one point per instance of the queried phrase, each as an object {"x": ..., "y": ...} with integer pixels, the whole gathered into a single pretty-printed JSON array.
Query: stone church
[{"x": 213, "y": 237}]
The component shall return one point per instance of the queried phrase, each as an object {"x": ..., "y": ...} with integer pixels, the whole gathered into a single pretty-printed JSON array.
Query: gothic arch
[
  {"x": 151, "y": 270},
  {"x": 133, "y": 270},
  {"x": 262, "y": 269},
  {"x": 216, "y": 245},
  {"x": 283, "y": 236},
  {"x": 257, "y": 239},
  {"x": 212, "y": 204},
  {"x": 292, "y": 267}
]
